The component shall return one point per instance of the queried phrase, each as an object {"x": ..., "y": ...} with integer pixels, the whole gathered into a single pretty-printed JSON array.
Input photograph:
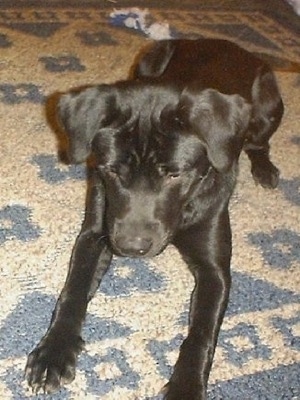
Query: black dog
[{"x": 166, "y": 144}]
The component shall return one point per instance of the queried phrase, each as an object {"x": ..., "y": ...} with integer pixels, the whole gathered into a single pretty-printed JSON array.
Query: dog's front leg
[
  {"x": 52, "y": 363},
  {"x": 207, "y": 250}
]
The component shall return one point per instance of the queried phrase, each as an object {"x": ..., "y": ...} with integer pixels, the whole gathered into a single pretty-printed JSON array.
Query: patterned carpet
[{"x": 139, "y": 316}]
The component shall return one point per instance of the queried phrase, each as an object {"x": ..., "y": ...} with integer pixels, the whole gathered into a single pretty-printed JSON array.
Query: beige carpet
[{"x": 139, "y": 316}]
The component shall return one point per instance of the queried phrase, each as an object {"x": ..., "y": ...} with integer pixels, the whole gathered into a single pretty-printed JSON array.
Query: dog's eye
[
  {"x": 109, "y": 171},
  {"x": 112, "y": 173},
  {"x": 168, "y": 173},
  {"x": 173, "y": 175}
]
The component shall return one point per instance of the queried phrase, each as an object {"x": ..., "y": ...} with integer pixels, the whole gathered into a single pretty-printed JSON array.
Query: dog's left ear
[
  {"x": 82, "y": 113},
  {"x": 219, "y": 120}
]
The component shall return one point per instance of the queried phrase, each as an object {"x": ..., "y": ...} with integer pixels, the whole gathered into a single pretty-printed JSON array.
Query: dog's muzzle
[
  {"x": 136, "y": 239},
  {"x": 136, "y": 246}
]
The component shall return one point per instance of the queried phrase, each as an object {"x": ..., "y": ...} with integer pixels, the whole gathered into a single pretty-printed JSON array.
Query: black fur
[{"x": 166, "y": 144}]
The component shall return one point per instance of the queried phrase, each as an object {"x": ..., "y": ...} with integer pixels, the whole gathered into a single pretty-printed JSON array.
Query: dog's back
[{"x": 203, "y": 63}]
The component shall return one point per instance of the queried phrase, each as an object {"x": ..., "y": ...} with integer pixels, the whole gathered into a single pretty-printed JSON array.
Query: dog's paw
[
  {"x": 52, "y": 363},
  {"x": 267, "y": 176}
]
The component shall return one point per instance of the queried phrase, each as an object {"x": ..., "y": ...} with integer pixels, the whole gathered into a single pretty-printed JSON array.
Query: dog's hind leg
[
  {"x": 266, "y": 117},
  {"x": 52, "y": 363}
]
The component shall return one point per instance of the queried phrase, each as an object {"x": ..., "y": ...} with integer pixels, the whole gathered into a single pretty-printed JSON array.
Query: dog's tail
[{"x": 278, "y": 63}]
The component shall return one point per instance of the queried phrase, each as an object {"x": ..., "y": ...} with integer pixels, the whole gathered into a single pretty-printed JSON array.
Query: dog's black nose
[{"x": 135, "y": 247}]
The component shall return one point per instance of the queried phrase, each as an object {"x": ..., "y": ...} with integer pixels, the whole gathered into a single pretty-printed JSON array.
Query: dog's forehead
[
  {"x": 146, "y": 127},
  {"x": 159, "y": 143}
]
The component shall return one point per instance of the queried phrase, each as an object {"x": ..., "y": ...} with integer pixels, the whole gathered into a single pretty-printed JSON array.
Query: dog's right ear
[
  {"x": 219, "y": 120},
  {"x": 156, "y": 59},
  {"x": 82, "y": 113}
]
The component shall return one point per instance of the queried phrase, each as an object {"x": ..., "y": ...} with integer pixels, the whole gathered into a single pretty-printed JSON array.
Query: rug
[{"x": 138, "y": 318}]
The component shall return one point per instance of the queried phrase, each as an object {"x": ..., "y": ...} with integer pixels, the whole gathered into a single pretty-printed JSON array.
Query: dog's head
[{"x": 154, "y": 146}]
